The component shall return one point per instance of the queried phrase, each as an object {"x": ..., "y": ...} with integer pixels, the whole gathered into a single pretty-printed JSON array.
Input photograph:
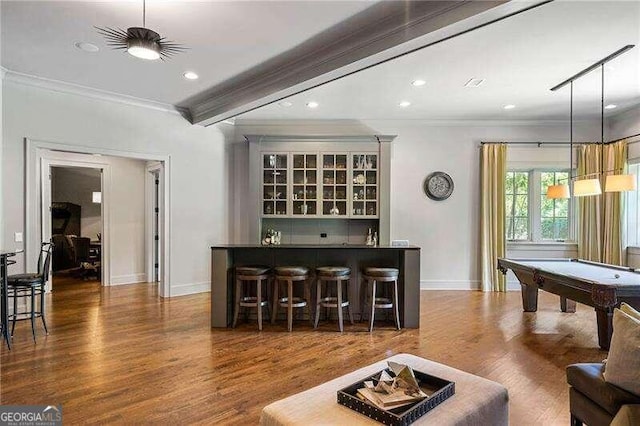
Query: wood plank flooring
[{"x": 123, "y": 355}]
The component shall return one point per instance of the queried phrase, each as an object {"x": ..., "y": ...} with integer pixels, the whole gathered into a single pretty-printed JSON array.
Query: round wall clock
[{"x": 438, "y": 186}]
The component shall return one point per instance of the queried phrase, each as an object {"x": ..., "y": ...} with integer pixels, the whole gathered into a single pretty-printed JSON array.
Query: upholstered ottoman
[{"x": 477, "y": 401}]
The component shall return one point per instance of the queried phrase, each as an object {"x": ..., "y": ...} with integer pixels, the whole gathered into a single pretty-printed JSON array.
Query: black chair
[{"x": 30, "y": 285}]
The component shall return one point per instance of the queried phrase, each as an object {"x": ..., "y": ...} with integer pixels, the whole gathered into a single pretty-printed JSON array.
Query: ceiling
[
  {"x": 224, "y": 37},
  {"x": 520, "y": 58}
]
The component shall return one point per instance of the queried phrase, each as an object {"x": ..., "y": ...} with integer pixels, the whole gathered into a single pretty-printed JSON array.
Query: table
[
  {"x": 4, "y": 294},
  {"x": 477, "y": 401},
  {"x": 595, "y": 284},
  {"x": 356, "y": 257}
]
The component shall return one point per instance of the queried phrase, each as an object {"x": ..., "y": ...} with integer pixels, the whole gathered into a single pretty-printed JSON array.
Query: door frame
[
  {"x": 36, "y": 150},
  {"x": 59, "y": 159},
  {"x": 149, "y": 189}
]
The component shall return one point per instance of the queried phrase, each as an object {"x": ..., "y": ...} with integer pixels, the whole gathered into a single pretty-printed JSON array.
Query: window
[
  {"x": 554, "y": 214},
  {"x": 517, "y": 205},
  {"x": 530, "y": 216},
  {"x": 632, "y": 210}
]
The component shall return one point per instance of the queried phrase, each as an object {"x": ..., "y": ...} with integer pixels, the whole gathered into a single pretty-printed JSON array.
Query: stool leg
[
  {"x": 396, "y": 314},
  {"x": 373, "y": 304},
  {"x": 307, "y": 296},
  {"x": 339, "y": 295},
  {"x": 33, "y": 313},
  {"x": 318, "y": 298},
  {"x": 15, "y": 310},
  {"x": 44, "y": 323},
  {"x": 276, "y": 302},
  {"x": 363, "y": 297},
  {"x": 349, "y": 305},
  {"x": 237, "y": 310},
  {"x": 259, "y": 300},
  {"x": 268, "y": 305},
  {"x": 290, "y": 304}
]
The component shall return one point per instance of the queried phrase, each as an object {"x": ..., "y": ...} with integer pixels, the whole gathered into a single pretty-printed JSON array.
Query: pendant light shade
[
  {"x": 586, "y": 187},
  {"x": 558, "y": 191},
  {"x": 620, "y": 183}
]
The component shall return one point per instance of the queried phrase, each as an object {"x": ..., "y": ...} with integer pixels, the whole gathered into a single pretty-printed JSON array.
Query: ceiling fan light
[
  {"x": 620, "y": 183},
  {"x": 558, "y": 191},
  {"x": 586, "y": 187},
  {"x": 143, "y": 49}
]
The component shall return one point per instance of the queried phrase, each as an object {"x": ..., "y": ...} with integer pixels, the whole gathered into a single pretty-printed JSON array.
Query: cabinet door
[
  {"x": 364, "y": 185},
  {"x": 304, "y": 186},
  {"x": 335, "y": 186},
  {"x": 275, "y": 181}
]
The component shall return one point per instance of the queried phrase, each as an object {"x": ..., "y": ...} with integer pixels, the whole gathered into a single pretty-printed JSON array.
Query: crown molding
[
  {"x": 88, "y": 92},
  {"x": 382, "y": 32}
]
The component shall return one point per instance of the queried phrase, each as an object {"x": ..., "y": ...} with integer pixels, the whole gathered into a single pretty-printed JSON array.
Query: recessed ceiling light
[
  {"x": 404, "y": 104},
  {"x": 86, "y": 47},
  {"x": 418, "y": 83},
  {"x": 287, "y": 104},
  {"x": 190, "y": 75},
  {"x": 510, "y": 106},
  {"x": 611, "y": 106},
  {"x": 474, "y": 82},
  {"x": 312, "y": 104}
]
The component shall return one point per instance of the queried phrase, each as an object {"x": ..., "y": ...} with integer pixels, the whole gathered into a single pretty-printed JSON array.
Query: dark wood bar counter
[{"x": 356, "y": 257}]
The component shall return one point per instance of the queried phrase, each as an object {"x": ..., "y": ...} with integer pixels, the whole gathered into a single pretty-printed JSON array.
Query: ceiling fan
[{"x": 141, "y": 42}]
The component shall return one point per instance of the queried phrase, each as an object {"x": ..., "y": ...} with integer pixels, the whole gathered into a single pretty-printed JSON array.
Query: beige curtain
[
  {"x": 493, "y": 170},
  {"x": 600, "y": 217}
]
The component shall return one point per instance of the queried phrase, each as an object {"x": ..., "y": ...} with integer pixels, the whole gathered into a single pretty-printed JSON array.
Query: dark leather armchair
[{"x": 591, "y": 399}]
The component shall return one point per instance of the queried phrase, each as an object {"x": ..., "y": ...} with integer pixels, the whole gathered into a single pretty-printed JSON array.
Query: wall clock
[{"x": 438, "y": 186}]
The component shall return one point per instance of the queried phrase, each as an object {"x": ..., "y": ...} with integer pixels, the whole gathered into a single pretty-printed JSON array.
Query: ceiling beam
[{"x": 382, "y": 32}]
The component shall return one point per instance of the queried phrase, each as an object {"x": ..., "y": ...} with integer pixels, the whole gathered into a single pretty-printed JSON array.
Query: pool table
[{"x": 595, "y": 284}]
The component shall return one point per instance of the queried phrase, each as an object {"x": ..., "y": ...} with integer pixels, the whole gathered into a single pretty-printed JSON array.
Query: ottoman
[{"x": 477, "y": 401}]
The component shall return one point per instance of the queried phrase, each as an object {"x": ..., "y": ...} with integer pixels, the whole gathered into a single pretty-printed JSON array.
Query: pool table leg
[
  {"x": 605, "y": 326},
  {"x": 529, "y": 298},
  {"x": 567, "y": 305}
]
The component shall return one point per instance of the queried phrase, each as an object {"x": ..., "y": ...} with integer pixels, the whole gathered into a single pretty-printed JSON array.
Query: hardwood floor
[{"x": 122, "y": 355}]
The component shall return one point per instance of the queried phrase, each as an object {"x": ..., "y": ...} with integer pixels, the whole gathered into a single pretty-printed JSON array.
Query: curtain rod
[{"x": 540, "y": 143}]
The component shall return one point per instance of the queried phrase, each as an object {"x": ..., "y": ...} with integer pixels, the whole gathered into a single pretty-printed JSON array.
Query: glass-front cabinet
[
  {"x": 320, "y": 184},
  {"x": 364, "y": 184},
  {"x": 304, "y": 192},
  {"x": 334, "y": 185},
  {"x": 275, "y": 184}
]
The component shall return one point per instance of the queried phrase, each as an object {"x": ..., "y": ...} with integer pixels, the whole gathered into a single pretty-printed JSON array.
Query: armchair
[{"x": 591, "y": 399}]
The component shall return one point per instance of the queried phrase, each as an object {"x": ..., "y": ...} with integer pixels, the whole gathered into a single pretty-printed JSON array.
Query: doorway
[{"x": 76, "y": 225}]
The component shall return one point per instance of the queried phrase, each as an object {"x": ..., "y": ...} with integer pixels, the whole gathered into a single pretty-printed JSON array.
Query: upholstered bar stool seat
[
  {"x": 291, "y": 275},
  {"x": 257, "y": 275},
  {"x": 373, "y": 276},
  {"x": 337, "y": 275}
]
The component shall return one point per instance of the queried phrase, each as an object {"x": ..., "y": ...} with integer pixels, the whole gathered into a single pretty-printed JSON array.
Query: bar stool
[
  {"x": 336, "y": 274},
  {"x": 251, "y": 274},
  {"x": 290, "y": 275},
  {"x": 374, "y": 276}
]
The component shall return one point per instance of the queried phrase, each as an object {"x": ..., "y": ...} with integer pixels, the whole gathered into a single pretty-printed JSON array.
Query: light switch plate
[{"x": 17, "y": 237}]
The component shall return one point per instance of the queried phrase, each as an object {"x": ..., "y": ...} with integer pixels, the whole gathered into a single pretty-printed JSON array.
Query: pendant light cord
[
  {"x": 602, "y": 120},
  {"x": 571, "y": 137},
  {"x": 144, "y": 13}
]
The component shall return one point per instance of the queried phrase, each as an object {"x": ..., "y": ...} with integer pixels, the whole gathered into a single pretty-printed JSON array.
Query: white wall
[
  {"x": 447, "y": 231},
  {"x": 198, "y": 156},
  {"x": 74, "y": 185}
]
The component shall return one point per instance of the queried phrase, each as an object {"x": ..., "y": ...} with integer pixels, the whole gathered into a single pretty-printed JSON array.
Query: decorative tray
[{"x": 438, "y": 390}]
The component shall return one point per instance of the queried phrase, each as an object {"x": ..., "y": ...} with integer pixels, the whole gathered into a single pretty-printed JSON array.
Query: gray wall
[{"x": 199, "y": 158}]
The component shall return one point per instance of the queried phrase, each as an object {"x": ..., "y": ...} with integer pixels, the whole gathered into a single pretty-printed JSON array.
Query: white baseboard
[
  {"x": 461, "y": 285},
  {"x": 190, "y": 288},
  {"x": 129, "y": 279}
]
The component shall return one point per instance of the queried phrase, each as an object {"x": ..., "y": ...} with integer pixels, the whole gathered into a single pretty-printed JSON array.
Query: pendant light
[{"x": 591, "y": 186}]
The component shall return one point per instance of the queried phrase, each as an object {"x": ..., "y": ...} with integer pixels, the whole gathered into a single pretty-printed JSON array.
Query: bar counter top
[{"x": 312, "y": 246}]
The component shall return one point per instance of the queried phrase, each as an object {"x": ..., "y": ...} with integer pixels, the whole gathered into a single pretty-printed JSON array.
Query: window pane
[
  {"x": 522, "y": 181},
  {"x": 521, "y": 205},
  {"x": 547, "y": 228},
  {"x": 508, "y": 202},
  {"x": 562, "y": 229},
  {"x": 521, "y": 229},
  {"x": 508, "y": 189},
  {"x": 546, "y": 180},
  {"x": 546, "y": 207},
  {"x": 509, "y": 228},
  {"x": 562, "y": 208}
]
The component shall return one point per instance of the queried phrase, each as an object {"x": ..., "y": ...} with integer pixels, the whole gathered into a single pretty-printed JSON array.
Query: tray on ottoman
[{"x": 438, "y": 390}]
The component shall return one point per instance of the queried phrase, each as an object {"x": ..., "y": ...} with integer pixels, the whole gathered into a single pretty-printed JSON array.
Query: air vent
[{"x": 474, "y": 82}]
